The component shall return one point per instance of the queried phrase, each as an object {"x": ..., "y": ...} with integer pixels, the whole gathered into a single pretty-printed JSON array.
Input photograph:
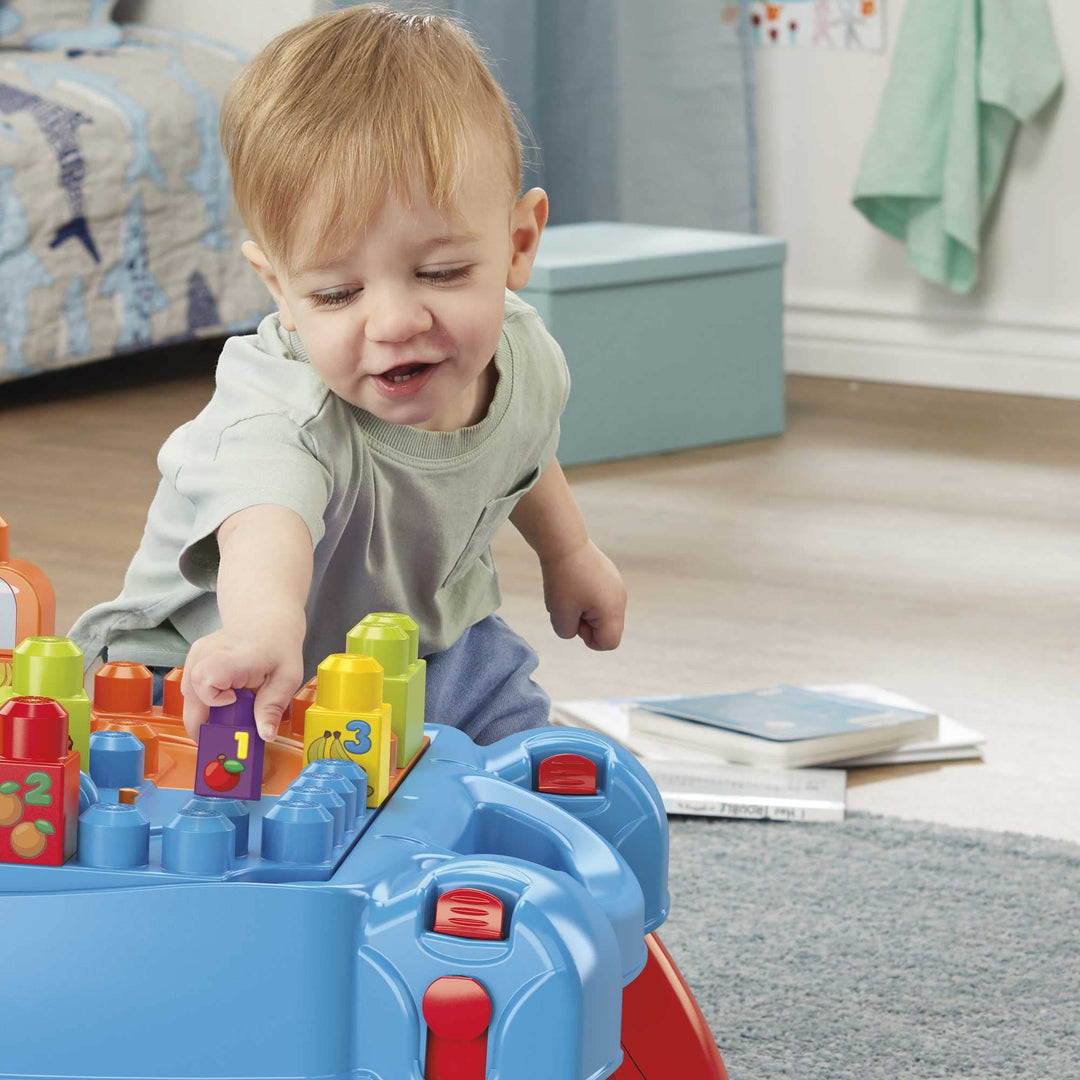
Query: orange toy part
[
  {"x": 302, "y": 699},
  {"x": 25, "y": 593},
  {"x": 122, "y": 694}
]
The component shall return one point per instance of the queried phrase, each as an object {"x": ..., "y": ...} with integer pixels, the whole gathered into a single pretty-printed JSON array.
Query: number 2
[{"x": 39, "y": 784}]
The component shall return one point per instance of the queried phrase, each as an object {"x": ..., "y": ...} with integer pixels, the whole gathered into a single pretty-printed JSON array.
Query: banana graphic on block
[{"x": 317, "y": 748}]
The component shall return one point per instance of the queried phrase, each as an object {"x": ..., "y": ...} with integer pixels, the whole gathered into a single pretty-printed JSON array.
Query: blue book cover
[{"x": 785, "y": 713}]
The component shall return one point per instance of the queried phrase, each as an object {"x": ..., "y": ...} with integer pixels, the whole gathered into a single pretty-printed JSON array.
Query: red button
[
  {"x": 457, "y": 1011},
  {"x": 469, "y": 913},
  {"x": 567, "y": 774}
]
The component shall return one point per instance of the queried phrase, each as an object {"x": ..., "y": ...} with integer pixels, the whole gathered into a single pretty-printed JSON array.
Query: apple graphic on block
[{"x": 222, "y": 774}]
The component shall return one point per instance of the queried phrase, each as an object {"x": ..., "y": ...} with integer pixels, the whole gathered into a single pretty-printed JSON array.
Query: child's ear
[
  {"x": 262, "y": 266},
  {"x": 527, "y": 221}
]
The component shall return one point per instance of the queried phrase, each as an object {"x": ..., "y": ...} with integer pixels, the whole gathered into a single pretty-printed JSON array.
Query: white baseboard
[{"x": 998, "y": 356}]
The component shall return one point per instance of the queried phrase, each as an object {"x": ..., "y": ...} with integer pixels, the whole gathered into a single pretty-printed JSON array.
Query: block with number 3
[
  {"x": 230, "y": 761},
  {"x": 350, "y": 720}
]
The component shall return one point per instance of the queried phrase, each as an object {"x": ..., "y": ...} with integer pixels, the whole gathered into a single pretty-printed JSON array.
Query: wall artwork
[{"x": 818, "y": 24}]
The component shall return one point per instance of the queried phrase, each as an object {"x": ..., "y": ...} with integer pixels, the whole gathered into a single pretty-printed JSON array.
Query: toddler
[{"x": 364, "y": 445}]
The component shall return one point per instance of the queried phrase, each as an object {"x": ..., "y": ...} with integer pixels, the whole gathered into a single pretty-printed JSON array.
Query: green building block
[
  {"x": 393, "y": 640},
  {"x": 53, "y": 667}
]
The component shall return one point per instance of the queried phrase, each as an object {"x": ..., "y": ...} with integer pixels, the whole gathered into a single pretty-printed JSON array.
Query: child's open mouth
[{"x": 404, "y": 380}]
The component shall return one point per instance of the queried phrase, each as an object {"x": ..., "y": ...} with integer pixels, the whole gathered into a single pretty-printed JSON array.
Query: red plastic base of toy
[{"x": 664, "y": 1035}]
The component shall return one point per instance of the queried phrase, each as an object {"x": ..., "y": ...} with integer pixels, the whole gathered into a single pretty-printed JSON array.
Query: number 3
[{"x": 362, "y": 744}]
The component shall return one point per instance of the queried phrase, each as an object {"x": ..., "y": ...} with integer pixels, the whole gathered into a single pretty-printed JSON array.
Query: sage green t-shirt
[{"x": 401, "y": 519}]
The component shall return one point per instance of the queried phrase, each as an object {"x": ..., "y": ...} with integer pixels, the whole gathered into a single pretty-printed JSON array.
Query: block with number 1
[{"x": 230, "y": 761}]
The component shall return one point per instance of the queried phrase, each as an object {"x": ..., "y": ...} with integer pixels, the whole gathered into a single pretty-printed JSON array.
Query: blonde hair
[{"x": 351, "y": 106}]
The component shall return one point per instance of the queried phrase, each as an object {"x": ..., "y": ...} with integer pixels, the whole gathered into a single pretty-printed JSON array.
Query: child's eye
[
  {"x": 441, "y": 277},
  {"x": 333, "y": 299}
]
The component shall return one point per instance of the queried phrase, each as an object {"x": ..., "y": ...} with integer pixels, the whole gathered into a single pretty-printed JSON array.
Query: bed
[{"x": 117, "y": 226}]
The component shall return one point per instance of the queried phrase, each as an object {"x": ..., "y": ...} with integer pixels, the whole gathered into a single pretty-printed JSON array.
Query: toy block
[
  {"x": 52, "y": 667},
  {"x": 302, "y": 700},
  {"x": 116, "y": 835},
  {"x": 230, "y": 759},
  {"x": 350, "y": 720},
  {"x": 39, "y": 783},
  {"x": 198, "y": 841},
  {"x": 298, "y": 830},
  {"x": 27, "y": 603},
  {"x": 172, "y": 700},
  {"x": 393, "y": 639},
  {"x": 117, "y": 759},
  {"x": 123, "y": 692}
]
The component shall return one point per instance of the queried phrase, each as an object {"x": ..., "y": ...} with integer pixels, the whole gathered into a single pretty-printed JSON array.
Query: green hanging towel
[{"x": 964, "y": 74}]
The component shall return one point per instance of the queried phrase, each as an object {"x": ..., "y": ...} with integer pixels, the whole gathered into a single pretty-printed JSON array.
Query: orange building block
[{"x": 27, "y": 603}]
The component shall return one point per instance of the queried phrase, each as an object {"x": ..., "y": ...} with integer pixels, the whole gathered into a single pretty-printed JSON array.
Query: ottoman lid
[{"x": 597, "y": 253}]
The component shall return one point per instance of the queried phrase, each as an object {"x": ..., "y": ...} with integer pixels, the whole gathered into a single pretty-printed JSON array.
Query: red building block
[{"x": 39, "y": 783}]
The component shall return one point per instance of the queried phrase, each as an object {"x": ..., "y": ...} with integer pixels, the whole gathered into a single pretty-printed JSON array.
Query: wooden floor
[{"x": 927, "y": 541}]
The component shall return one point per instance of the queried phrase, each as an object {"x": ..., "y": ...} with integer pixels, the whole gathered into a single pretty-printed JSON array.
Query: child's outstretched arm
[
  {"x": 583, "y": 590},
  {"x": 262, "y": 586}
]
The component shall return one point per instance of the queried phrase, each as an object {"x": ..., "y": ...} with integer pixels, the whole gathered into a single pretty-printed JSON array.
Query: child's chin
[{"x": 403, "y": 412}]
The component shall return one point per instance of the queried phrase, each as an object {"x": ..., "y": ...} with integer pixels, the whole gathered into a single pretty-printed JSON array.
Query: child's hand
[
  {"x": 585, "y": 595},
  {"x": 269, "y": 660}
]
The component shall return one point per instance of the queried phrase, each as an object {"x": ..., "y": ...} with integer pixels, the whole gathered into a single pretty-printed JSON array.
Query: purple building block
[{"x": 230, "y": 761}]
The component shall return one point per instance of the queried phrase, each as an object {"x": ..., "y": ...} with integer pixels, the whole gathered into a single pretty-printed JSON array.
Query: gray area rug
[{"x": 879, "y": 948}]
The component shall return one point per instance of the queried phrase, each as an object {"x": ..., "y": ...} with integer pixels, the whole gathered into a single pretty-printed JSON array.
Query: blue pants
[{"x": 481, "y": 684}]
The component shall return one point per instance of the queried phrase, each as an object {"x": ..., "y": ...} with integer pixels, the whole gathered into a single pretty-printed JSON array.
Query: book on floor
[
  {"x": 782, "y": 726},
  {"x": 710, "y": 788},
  {"x": 954, "y": 742}
]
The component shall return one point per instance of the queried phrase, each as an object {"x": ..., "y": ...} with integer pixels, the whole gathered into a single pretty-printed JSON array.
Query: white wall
[
  {"x": 854, "y": 307},
  {"x": 247, "y": 24}
]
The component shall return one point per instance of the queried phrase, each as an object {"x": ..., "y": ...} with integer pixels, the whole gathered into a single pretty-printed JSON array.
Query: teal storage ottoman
[{"x": 674, "y": 337}]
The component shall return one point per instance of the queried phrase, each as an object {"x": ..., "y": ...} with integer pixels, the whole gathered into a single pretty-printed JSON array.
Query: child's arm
[
  {"x": 583, "y": 590},
  {"x": 262, "y": 586}
]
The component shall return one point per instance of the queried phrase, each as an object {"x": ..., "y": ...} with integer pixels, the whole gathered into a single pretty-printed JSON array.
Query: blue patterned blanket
[{"x": 117, "y": 225}]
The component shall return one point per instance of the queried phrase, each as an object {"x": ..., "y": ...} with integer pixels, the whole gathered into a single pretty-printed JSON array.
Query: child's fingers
[
  {"x": 195, "y": 714},
  {"x": 565, "y": 619},
  {"x": 602, "y": 632},
  {"x": 204, "y": 685},
  {"x": 271, "y": 701}
]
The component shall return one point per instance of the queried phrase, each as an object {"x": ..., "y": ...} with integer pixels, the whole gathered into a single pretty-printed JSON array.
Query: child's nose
[{"x": 395, "y": 315}]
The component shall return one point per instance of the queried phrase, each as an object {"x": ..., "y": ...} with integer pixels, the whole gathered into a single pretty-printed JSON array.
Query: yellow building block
[
  {"x": 393, "y": 639},
  {"x": 350, "y": 720},
  {"x": 53, "y": 667}
]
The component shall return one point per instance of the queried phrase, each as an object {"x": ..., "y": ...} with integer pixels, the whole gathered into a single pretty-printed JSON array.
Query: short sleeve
[{"x": 260, "y": 460}]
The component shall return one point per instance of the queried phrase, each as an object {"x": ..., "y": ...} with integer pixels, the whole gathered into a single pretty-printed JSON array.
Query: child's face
[{"x": 405, "y": 322}]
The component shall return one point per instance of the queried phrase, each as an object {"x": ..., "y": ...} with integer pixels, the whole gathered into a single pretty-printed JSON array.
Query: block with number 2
[{"x": 39, "y": 783}]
